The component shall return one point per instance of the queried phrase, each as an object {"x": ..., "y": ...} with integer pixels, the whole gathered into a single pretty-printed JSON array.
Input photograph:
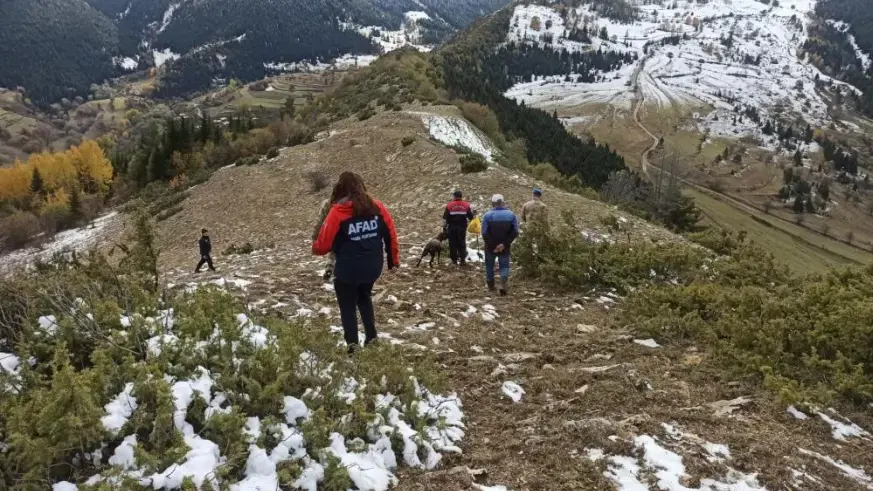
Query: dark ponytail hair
[{"x": 351, "y": 186}]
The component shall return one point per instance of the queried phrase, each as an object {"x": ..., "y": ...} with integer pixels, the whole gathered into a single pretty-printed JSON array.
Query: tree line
[
  {"x": 524, "y": 62},
  {"x": 50, "y": 192}
]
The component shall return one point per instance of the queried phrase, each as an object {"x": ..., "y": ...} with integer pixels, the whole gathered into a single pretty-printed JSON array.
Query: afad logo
[{"x": 364, "y": 229}]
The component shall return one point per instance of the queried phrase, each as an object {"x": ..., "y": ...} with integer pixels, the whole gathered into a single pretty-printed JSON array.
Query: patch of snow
[
  {"x": 200, "y": 464},
  {"x": 295, "y": 409},
  {"x": 156, "y": 344},
  {"x": 513, "y": 391},
  {"x": 164, "y": 56},
  {"x": 857, "y": 475},
  {"x": 843, "y": 431},
  {"x": 119, "y": 410},
  {"x": 126, "y": 63},
  {"x": 367, "y": 470},
  {"x": 457, "y": 132},
  {"x": 9, "y": 363},
  {"x": 168, "y": 17},
  {"x": 77, "y": 240},
  {"x": 124, "y": 454},
  {"x": 796, "y": 413},
  {"x": 648, "y": 343},
  {"x": 48, "y": 324}
]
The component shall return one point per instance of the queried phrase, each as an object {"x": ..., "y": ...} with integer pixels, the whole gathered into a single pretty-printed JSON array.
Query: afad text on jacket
[{"x": 358, "y": 242}]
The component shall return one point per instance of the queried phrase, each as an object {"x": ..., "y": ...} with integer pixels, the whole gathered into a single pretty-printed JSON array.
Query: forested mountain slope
[
  {"x": 57, "y": 48},
  {"x": 54, "y": 48}
]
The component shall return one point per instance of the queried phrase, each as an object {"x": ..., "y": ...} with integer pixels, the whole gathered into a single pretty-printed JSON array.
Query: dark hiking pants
[
  {"x": 205, "y": 259},
  {"x": 458, "y": 244},
  {"x": 352, "y": 299}
]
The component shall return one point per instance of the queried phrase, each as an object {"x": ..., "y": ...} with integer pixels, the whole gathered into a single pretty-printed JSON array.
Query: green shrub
[
  {"x": 54, "y": 415},
  {"x": 366, "y": 114},
  {"x": 169, "y": 212},
  {"x": 473, "y": 162},
  {"x": 167, "y": 202},
  {"x": 407, "y": 141},
  {"x": 566, "y": 259},
  {"x": 17, "y": 229},
  {"x": 246, "y": 248},
  {"x": 250, "y": 160},
  {"x": 55, "y": 217},
  {"x": 805, "y": 338}
]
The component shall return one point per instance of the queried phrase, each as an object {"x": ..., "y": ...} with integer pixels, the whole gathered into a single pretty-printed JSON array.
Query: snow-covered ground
[
  {"x": 127, "y": 63},
  {"x": 700, "y": 71},
  {"x": 342, "y": 63},
  {"x": 409, "y": 33},
  {"x": 79, "y": 239},
  {"x": 843, "y": 27},
  {"x": 164, "y": 56},
  {"x": 457, "y": 132}
]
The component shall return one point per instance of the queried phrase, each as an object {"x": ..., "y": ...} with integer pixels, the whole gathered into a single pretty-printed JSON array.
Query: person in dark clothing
[
  {"x": 499, "y": 230},
  {"x": 205, "y": 251},
  {"x": 457, "y": 216},
  {"x": 359, "y": 231}
]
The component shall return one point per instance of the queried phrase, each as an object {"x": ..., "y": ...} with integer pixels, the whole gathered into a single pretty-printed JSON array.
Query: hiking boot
[
  {"x": 504, "y": 287},
  {"x": 490, "y": 284},
  {"x": 353, "y": 349},
  {"x": 371, "y": 342}
]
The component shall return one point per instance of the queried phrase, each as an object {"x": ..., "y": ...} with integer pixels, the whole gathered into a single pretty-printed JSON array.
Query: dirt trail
[{"x": 588, "y": 384}]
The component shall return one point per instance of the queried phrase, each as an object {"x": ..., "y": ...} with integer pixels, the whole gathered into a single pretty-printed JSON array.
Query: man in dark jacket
[
  {"x": 205, "y": 251},
  {"x": 457, "y": 216},
  {"x": 499, "y": 230}
]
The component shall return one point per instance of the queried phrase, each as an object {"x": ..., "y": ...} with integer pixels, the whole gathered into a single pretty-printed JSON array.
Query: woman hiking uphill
[{"x": 359, "y": 231}]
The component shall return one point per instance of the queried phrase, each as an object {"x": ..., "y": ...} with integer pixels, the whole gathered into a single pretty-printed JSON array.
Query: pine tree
[
  {"x": 798, "y": 159},
  {"x": 157, "y": 165},
  {"x": 76, "y": 205},
  {"x": 37, "y": 184},
  {"x": 768, "y": 128},
  {"x": 205, "y": 129}
]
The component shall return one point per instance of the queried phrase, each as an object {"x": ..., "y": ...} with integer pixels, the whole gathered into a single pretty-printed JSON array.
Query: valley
[{"x": 693, "y": 64}]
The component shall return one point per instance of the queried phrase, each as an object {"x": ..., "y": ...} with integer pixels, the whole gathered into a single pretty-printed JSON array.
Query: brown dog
[{"x": 434, "y": 248}]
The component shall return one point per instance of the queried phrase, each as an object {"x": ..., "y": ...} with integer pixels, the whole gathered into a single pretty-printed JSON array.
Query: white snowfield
[
  {"x": 457, "y": 132},
  {"x": 79, "y": 239},
  {"x": 388, "y": 40},
  {"x": 700, "y": 71}
]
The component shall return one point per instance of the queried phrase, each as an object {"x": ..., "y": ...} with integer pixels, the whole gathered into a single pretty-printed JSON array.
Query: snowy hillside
[{"x": 715, "y": 56}]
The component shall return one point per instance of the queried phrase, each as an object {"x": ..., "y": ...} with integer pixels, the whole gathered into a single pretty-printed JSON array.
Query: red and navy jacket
[
  {"x": 358, "y": 242},
  {"x": 458, "y": 214}
]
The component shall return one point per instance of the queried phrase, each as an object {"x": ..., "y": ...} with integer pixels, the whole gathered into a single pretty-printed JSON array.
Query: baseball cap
[
  {"x": 497, "y": 198},
  {"x": 538, "y": 191}
]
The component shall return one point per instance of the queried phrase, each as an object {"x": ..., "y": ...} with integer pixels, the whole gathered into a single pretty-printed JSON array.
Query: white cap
[{"x": 497, "y": 198}]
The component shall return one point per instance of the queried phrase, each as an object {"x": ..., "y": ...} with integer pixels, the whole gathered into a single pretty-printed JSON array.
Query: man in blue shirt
[{"x": 499, "y": 229}]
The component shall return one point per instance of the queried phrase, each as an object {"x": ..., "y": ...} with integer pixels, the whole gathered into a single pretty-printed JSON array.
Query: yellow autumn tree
[
  {"x": 81, "y": 168},
  {"x": 15, "y": 181},
  {"x": 90, "y": 162}
]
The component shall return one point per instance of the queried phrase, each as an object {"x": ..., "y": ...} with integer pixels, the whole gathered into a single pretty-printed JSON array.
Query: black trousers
[
  {"x": 352, "y": 299},
  {"x": 205, "y": 259},
  {"x": 458, "y": 244}
]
